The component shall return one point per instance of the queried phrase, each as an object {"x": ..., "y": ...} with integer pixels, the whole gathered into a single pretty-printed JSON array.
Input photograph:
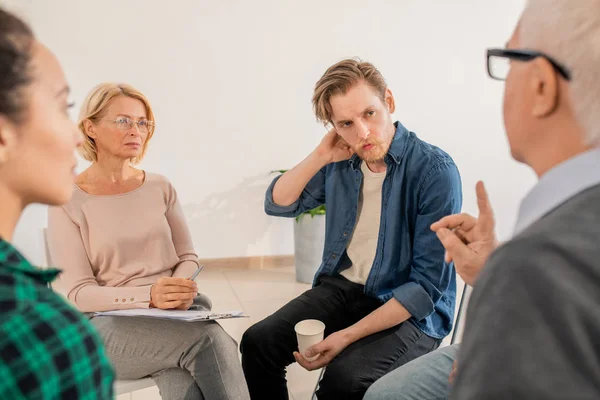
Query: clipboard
[{"x": 179, "y": 315}]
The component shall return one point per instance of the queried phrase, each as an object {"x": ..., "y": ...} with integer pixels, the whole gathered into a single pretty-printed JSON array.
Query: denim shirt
[{"x": 422, "y": 185}]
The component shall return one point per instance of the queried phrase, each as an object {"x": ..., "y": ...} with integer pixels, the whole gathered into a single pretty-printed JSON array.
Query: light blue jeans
[{"x": 425, "y": 378}]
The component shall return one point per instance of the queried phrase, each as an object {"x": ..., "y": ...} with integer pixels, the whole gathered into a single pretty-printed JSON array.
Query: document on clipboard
[{"x": 180, "y": 315}]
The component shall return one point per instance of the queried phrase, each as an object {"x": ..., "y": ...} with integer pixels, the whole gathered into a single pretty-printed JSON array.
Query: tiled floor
[{"x": 259, "y": 293}]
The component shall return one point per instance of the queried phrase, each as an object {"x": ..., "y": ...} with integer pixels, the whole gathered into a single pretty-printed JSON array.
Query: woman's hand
[
  {"x": 185, "y": 306},
  {"x": 173, "y": 293}
]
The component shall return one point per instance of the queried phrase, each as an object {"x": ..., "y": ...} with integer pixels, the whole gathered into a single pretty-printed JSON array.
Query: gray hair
[{"x": 569, "y": 31}]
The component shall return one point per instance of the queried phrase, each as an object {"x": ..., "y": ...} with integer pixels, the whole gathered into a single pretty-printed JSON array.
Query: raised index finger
[{"x": 486, "y": 213}]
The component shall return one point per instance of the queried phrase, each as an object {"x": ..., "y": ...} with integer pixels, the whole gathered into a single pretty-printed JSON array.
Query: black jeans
[{"x": 267, "y": 347}]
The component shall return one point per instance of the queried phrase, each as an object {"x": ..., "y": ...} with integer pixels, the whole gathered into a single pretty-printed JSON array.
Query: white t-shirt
[{"x": 363, "y": 244}]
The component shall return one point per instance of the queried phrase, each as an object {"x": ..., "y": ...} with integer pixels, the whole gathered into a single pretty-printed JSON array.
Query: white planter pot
[{"x": 309, "y": 241}]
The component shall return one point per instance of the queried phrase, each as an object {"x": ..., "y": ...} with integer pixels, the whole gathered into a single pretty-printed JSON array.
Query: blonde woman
[{"x": 123, "y": 243}]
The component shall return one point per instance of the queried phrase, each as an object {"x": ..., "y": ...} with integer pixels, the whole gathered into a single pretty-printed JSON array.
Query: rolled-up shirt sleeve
[
  {"x": 440, "y": 195},
  {"x": 311, "y": 197}
]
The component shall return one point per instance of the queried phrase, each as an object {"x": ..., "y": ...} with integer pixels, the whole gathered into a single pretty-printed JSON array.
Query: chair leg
[
  {"x": 314, "y": 396},
  {"x": 459, "y": 315}
]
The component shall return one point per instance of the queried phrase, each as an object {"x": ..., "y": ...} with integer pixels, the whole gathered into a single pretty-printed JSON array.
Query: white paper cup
[{"x": 309, "y": 332}]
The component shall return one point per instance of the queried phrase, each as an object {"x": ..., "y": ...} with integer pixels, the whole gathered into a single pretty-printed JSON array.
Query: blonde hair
[
  {"x": 569, "y": 31},
  {"x": 94, "y": 108},
  {"x": 339, "y": 78}
]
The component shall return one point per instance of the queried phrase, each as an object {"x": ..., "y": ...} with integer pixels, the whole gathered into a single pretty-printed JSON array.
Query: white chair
[
  {"x": 122, "y": 386},
  {"x": 459, "y": 324}
]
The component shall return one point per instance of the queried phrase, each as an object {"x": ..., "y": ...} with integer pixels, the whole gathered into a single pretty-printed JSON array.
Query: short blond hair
[
  {"x": 569, "y": 31},
  {"x": 94, "y": 108},
  {"x": 339, "y": 78}
]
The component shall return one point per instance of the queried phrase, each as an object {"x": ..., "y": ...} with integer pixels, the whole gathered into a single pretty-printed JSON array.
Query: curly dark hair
[{"x": 16, "y": 39}]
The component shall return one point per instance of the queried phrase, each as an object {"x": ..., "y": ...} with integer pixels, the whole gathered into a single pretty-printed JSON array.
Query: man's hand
[
  {"x": 333, "y": 148},
  {"x": 291, "y": 184},
  {"x": 329, "y": 348},
  {"x": 452, "y": 376},
  {"x": 469, "y": 241},
  {"x": 168, "y": 293}
]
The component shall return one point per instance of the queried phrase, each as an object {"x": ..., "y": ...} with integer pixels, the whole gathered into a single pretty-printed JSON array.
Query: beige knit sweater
[{"x": 113, "y": 248}]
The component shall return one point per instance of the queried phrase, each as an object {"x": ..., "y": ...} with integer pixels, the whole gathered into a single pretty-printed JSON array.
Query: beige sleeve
[
  {"x": 182, "y": 239},
  {"x": 77, "y": 281}
]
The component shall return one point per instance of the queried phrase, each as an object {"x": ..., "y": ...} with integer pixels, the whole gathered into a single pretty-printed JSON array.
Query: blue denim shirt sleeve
[
  {"x": 311, "y": 197},
  {"x": 440, "y": 195}
]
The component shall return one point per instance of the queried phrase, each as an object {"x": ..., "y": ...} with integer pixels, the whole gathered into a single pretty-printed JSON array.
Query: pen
[{"x": 195, "y": 274}]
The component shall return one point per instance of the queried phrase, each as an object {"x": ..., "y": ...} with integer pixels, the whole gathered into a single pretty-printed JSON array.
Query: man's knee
[
  {"x": 385, "y": 390},
  {"x": 425, "y": 377},
  {"x": 255, "y": 339},
  {"x": 342, "y": 381}
]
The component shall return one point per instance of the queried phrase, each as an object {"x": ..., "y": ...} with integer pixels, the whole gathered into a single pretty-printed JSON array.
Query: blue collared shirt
[
  {"x": 559, "y": 185},
  {"x": 422, "y": 185}
]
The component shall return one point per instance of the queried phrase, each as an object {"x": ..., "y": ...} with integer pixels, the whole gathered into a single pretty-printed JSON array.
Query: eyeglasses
[
  {"x": 498, "y": 62},
  {"x": 124, "y": 124}
]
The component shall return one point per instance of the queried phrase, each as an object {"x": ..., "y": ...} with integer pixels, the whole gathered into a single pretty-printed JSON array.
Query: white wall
[
  {"x": 231, "y": 83},
  {"x": 18, "y": 7}
]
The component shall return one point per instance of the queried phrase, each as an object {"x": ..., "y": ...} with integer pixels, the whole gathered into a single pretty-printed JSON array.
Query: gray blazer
[{"x": 533, "y": 323}]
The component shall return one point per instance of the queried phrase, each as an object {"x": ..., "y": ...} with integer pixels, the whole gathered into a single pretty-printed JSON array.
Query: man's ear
[
  {"x": 544, "y": 84},
  {"x": 8, "y": 138},
  {"x": 89, "y": 128},
  {"x": 389, "y": 101}
]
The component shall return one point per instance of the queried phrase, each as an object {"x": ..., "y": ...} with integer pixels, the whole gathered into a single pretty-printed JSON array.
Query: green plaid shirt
[{"x": 48, "y": 350}]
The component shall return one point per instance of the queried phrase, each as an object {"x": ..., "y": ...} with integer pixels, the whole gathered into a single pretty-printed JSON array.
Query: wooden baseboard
[{"x": 257, "y": 262}]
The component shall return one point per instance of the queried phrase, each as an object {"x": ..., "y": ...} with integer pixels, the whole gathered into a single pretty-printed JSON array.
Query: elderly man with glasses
[{"x": 533, "y": 321}]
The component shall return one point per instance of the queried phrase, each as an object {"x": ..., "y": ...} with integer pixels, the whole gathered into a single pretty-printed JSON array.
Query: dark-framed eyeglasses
[
  {"x": 125, "y": 123},
  {"x": 498, "y": 62}
]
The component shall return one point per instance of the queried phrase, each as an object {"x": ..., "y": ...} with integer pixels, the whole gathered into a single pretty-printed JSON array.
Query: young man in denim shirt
[{"x": 383, "y": 290}]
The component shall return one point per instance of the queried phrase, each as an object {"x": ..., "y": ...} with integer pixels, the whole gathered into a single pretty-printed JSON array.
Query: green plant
[{"x": 320, "y": 210}]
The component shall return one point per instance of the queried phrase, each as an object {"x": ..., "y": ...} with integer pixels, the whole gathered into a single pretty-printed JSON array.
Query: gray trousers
[
  {"x": 425, "y": 378},
  {"x": 187, "y": 360}
]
